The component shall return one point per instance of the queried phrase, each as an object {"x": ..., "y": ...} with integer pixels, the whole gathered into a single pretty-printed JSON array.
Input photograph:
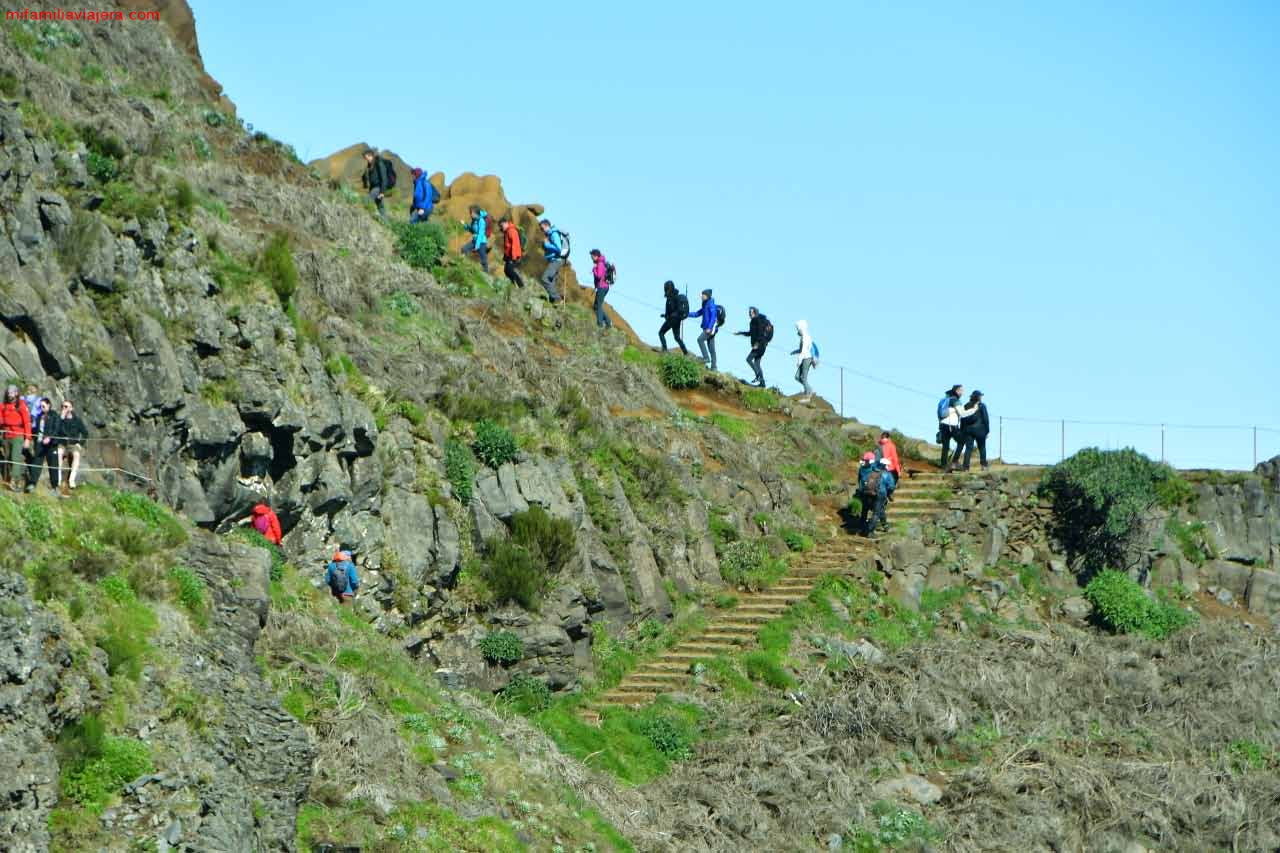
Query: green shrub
[
  {"x": 494, "y": 444},
  {"x": 765, "y": 667},
  {"x": 679, "y": 372},
  {"x": 748, "y": 563},
  {"x": 669, "y": 735},
  {"x": 401, "y": 304},
  {"x": 102, "y": 143},
  {"x": 1192, "y": 540},
  {"x": 723, "y": 532},
  {"x": 191, "y": 590},
  {"x": 1098, "y": 499},
  {"x": 184, "y": 197},
  {"x": 99, "y": 775},
  {"x": 1125, "y": 608},
  {"x": 526, "y": 694},
  {"x": 551, "y": 540},
  {"x": 37, "y": 521},
  {"x": 760, "y": 400},
  {"x": 420, "y": 245},
  {"x": 514, "y": 574},
  {"x": 797, "y": 541},
  {"x": 121, "y": 198},
  {"x": 9, "y": 84},
  {"x": 101, "y": 167},
  {"x": 502, "y": 647},
  {"x": 157, "y": 519},
  {"x": 459, "y": 469},
  {"x": 276, "y": 264}
]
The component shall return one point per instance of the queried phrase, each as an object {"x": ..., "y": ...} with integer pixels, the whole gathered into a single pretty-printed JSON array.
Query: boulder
[
  {"x": 1264, "y": 592},
  {"x": 911, "y": 788},
  {"x": 409, "y": 532}
]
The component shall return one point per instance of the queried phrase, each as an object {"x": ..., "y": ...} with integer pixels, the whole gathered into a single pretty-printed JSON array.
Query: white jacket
[{"x": 806, "y": 342}]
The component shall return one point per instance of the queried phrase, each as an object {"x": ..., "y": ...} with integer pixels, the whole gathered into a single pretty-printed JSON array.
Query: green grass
[
  {"x": 635, "y": 746},
  {"x": 736, "y": 428},
  {"x": 761, "y": 400},
  {"x": 640, "y": 356},
  {"x": 1125, "y": 608},
  {"x": 748, "y": 563},
  {"x": 1193, "y": 540}
]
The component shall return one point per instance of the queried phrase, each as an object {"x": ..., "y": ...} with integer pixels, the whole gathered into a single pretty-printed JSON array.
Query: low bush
[
  {"x": 551, "y": 540},
  {"x": 669, "y": 735},
  {"x": 102, "y": 773},
  {"x": 1125, "y": 608},
  {"x": 797, "y": 541},
  {"x": 747, "y": 563},
  {"x": 765, "y": 667},
  {"x": 101, "y": 167},
  {"x": 494, "y": 445},
  {"x": 420, "y": 245},
  {"x": 514, "y": 574},
  {"x": 190, "y": 591},
  {"x": 158, "y": 520},
  {"x": 502, "y": 647},
  {"x": 761, "y": 400},
  {"x": 735, "y": 428},
  {"x": 459, "y": 469},
  {"x": 277, "y": 266},
  {"x": 679, "y": 372},
  {"x": 526, "y": 694}
]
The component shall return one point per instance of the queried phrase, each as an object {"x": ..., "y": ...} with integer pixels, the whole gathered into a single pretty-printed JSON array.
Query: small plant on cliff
[
  {"x": 551, "y": 540},
  {"x": 748, "y": 563},
  {"x": 494, "y": 445},
  {"x": 678, "y": 372},
  {"x": 514, "y": 574},
  {"x": 96, "y": 765},
  {"x": 1125, "y": 608},
  {"x": 420, "y": 245},
  {"x": 459, "y": 469},
  {"x": 527, "y": 694},
  {"x": 501, "y": 647},
  {"x": 276, "y": 264},
  {"x": 1099, "y": 498}
]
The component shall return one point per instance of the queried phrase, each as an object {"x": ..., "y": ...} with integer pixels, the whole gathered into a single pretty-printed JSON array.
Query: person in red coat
[
  {"x": 265, "y": 522},
  {"x": 15, "y": 437}
]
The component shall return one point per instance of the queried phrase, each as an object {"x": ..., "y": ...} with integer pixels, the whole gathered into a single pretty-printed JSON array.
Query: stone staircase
[{"x": 917, "y": 498}]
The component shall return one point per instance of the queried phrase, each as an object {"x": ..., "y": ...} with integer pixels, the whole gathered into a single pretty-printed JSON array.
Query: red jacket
[
  {"x": 511, "y": 249},
  {"x": 15, "y": 420},
  {"x": 266, "y": 523},
  {"x": 889, "y": 451}
]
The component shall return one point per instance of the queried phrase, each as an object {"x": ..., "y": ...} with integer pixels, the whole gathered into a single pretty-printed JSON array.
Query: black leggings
[{"x": 672, "y": 326}]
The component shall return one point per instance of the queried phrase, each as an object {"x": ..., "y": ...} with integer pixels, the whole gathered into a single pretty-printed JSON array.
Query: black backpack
[
  {"x": 768, "y": 329},
  {"x": 871, "y": 488},
  {"x": 610, "y": 273},
  {"x": 390, "y": 173},
  {"x": 720, "y": 316},
  {"x": 338, "y": 579},
  {"x": 683, "y": 304},
  {"x": 435, "y": 193}
]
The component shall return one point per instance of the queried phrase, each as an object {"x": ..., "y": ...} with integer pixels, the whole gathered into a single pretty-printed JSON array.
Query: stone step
[
  {"x": 712, "y": 647},
  {"x": 658, "y": 685},
  {"x": 733, "y": 633},
  {"x": 663, "y": 667},
  {"x": 773, "y": 597}
]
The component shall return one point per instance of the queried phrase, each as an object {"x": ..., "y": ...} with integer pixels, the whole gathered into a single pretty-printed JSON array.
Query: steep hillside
[{"x": 538, "y": 511}]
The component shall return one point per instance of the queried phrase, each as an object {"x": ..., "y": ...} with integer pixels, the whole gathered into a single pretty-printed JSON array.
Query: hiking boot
[{"x": 759, "y": 384}]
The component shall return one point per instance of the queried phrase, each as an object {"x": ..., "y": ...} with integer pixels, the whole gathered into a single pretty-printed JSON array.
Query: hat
[
  {"x": 339, "y": 556},
  {"x": 976, "y": 394},
  {"x": 544, "y": 221},
  {"x": 261, "y": 509},
  {"x": 706, "y": 292},
  {"x": 594, "y": 253},
  {"x": 417, "y": 173},
  {"x": 868, "y": 456},
  {"x": 753, "y": 308}
]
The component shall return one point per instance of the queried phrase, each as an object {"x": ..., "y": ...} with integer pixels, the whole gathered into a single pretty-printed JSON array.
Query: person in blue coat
[
  {"x": 875, "y": 484},
  {"x": 341, "y": 577},
  {"x": 424, "y": 197},
  {"x": 707, "y": 340},
  {"x": 555, "y": 252}
]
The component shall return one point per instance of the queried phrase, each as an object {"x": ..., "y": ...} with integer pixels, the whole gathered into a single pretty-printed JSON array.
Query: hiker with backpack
[
  {"x": 266, "y": 522},
  {"x": 712, "y": 316},
  {"x": 15, "y": 437},
  {"x": 341, "y": 577},
  {"x": 379, "y": 178},
  {"x": 760, "y": 332},
  {"x": 975, "y": 426},
  {"x": 949, "y": 425},
  {"x": 481, "y": 229},
  {"x": 888, "y": 451},
  {"x": 874, "y": 485},
  {"x": 69, "y": 434},
  {"x": 425, "y": 196},
  {"x": 512, "y": 251},
  {"x": 806, "y": 358},
  {"x": 673, "y": 315},
  {"x": 555, "y": 249},
  {"x": 44, "y": 452},
  {"x": 603, "y": 275}
]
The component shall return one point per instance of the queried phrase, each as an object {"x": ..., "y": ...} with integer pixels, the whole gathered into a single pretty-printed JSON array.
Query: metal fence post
[
  {"x": 842, "y": 392},
  {"x": 1000, "y": 454},
  {"x": 1064, "y": 440},
  {"x": 1161, "y": 442},
  {"x": 1255, "y": 447}
]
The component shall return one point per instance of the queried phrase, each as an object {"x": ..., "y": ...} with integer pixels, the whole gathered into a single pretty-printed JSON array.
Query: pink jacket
[{"x": 600, "y": 273}]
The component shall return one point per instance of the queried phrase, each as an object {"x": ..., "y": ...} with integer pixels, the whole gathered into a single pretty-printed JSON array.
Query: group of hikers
[
  {"x": 340, "y": 575},
  {"x": 964, "y": 425},
  {"x": 36, "y": 435},
  {"x": 878, "y": 477}
]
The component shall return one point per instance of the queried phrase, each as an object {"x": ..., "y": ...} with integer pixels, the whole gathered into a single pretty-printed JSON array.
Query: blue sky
[{"x": 1072, "y": 207}]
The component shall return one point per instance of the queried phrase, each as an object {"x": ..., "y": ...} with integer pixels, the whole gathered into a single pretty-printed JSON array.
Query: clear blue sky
[{"x": 1072, "y": 207}]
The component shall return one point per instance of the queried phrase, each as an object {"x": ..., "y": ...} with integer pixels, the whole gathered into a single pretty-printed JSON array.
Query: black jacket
[
  {"x": 672, "y": 312},
  {"x": 759, "y": 339},
  {"x": 66, "y": 430},
  {"x": 375, "y": 175},
  {"x": 978, "y": 423}
]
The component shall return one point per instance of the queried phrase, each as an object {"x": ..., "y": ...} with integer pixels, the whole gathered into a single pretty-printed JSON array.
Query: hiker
[
  {"x": 873, "y": 491},
  {"x": 36, "y": 403},
  {"x": 479, "y": 242},
  {"x": 975, "y": 425},
  {"x": 887, "y": 450},
  {"x": 673, "y": 316},
  {"x": 379, "y": 177},
  {"x": 512, "y": 251},
  {"x": 711, "y": 323},
  {"x": 805, "y": 357},
  {"x": 603, "y": 274},
  {"x": 266, "y": 522},
  {"x": 555, "y": 249},
  {"x": 44, "y": 451},
  {"x": 15, "y": 433},
  {"x": 759, "y": 332},
  {"x": 949, "y": 424},
  {"x": 425, "y": 196},
  {"x": 341, "y": 577},
  {"x": 69, "y": 434}
]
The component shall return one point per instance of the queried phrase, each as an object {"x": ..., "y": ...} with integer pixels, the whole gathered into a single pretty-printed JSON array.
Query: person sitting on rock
[
  {"x": 44, "y": 450},
  {"x": 676, "y": 310},
  {"x": 873, "y": 490},
  {"x": 424, "y": 198},
  {"x": 341, "y": 577},
  {"x": 266, "y": 522},
  {"x": 15, "y": 437},
  {"x": 512, "y": 251},
  {"x": 759, "y": 332},
  {"x": 69, "y": 434},
  {"x": 377, "y": 179},
  {"x": 479, "y": 243}
]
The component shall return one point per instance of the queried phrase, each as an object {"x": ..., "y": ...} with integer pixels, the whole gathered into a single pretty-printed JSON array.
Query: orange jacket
[
  {"x": 266, "y": 523},
  {"x": 15, "y": 420},
  {"x": 511, "y": 249},
  {"x": 889, "y": 451}
]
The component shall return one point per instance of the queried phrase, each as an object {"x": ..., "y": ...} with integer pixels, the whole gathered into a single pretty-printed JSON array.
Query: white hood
[{"x": 806, "y": 342}]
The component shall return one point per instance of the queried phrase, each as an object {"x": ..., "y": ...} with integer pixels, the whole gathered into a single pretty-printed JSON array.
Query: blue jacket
[
  {"x": 422, "y": 194},
  {"x": 553, "y": 246},
  {"x": 477, "y": 228},
  {"x": 944, "y": 404},
  {"x": 708, "y": 314},
  {"x": 353, "y": 580},
  {"x": 887, "y": 483}
]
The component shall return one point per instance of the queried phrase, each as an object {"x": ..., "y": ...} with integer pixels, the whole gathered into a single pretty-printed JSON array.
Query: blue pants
[
  {"x": 415, "y": 217},
  {"x": 602, "y": 319}
]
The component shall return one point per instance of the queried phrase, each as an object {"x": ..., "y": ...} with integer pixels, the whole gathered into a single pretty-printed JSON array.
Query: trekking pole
[{"x": 1001, "y": 454}]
